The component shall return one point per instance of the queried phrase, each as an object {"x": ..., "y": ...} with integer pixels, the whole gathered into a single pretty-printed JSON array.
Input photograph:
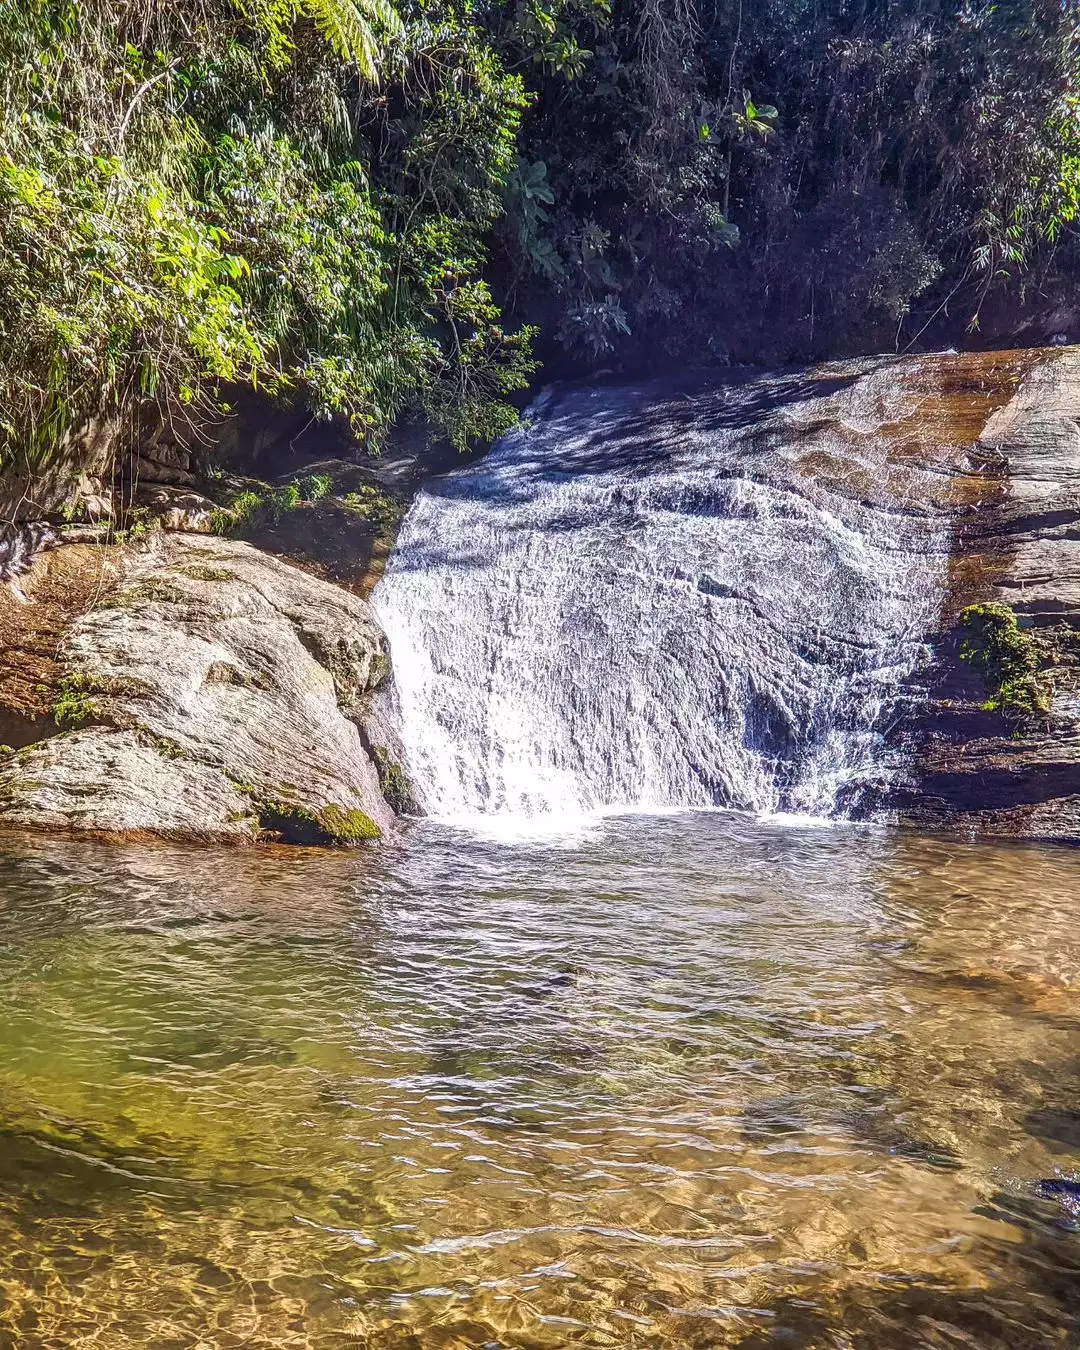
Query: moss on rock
[
  {"x": 199, "y": 573},
  {"x": 315, "y": 826},
  {"x": 79, "y": 695},
  {"x": 345, "y": 826},
  {"x": 153, "y": 590},
  {"x": 1008, "y": 659},
  {"x": 75, "y": 702},
  {"x": 394, "y": 783}
]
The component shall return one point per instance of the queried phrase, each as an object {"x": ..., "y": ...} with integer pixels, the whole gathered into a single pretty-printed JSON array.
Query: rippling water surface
[{"x": 683, "y": 1082}]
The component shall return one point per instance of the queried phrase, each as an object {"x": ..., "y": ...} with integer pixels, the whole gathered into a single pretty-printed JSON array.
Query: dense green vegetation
[
  {"x": 215, "y": 193},
  {"x": 782, "y": 178},
  {"x": 372, "y": 208}
]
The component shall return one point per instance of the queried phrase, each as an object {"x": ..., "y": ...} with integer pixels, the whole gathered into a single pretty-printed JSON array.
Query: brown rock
[{"x": 1000, "y": 771}]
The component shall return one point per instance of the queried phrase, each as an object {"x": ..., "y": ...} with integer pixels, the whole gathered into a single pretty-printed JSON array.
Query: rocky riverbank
[
  {"x": 186, "y": 647},
  {"x": 997, "y": 749},
  {"x": 209, "y": 692},
  {"x": 191, "y": 654}
]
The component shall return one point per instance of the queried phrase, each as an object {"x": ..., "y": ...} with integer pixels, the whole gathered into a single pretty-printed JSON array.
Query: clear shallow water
[{"x": 680, "y": 1082}]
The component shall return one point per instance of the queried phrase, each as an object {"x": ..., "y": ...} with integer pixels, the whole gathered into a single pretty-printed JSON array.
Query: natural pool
[{"x": 681, "y": 1081}]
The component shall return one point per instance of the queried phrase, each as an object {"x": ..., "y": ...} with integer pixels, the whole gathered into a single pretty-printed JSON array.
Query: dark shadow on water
[{"x": 1055, "y": 1125}]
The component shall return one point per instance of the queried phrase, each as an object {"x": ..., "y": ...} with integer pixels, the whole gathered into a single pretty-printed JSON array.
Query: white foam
[{"x": 622, "y": 607}]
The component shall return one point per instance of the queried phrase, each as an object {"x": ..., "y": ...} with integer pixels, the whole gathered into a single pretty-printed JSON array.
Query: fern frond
[{"x": 355, "y": 29}]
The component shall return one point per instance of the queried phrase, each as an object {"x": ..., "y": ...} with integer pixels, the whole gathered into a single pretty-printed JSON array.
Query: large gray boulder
[{"x": 215, "y": 694}]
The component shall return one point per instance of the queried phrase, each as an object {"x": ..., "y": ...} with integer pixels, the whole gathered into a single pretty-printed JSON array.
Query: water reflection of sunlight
[
  {"x": 568, "y": 829},
  {"x": 689, "y": 1079},
  {"x": 571, "y": 829}
]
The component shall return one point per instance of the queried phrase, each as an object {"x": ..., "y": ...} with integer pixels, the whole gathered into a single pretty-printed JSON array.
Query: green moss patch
[
  {"x": 152, "y": 591},
  {"x": 167, "y": 748},
  {"x": 383, "y": 510},
  {"x": 394, "y": 783},
  {"x": 199, "y": 573},
  {"x": 1009, "y": 660},
  {"x": 317, "y": 826},
  {"x": 76, "y": 701},
  {"x": 79, "y": 695},
  {"x": 348, "y": 827},
  {"x": 380, "y": 670}
]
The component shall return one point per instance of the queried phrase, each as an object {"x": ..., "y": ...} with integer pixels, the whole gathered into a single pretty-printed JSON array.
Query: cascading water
[
  {"x": 20, "y": 543},
  {"x": 711, "y": 593}
]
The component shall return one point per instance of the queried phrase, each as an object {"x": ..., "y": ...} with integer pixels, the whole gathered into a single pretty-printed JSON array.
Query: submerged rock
[{"x": 212, "y": 694}]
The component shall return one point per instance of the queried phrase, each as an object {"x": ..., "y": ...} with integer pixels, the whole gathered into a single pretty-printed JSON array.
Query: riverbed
[{"x": 663, "y": 1081}]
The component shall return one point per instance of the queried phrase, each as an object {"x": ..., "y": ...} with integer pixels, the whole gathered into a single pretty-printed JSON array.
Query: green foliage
[
  {"x": 245, "y": 509},
  {"x": 316, "y": 486},
  {"x": 76, "y": 703},
  {"x": 528, "y": 194},
  {"x": 264, "y": 506},
  {"x": 353, "y": 28},
  {"x": 166, "y": 747},
  {"x": 335, "y": 201},
  {"x": 217, "y": 194},
  {"x": 256, "y": 507},
  {"x": 1008, "y": 659},
  {"x": 776, "y": 180},
  {"x": 139, "y": 524},
  {"x": 750, "y": 121}
]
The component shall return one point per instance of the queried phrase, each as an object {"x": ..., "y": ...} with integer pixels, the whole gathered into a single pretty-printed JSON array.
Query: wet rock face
[
  {"x": 210, "y": 695},
  {"x": 202, "y": 689},
  {"x": 980, "y": 764},
  {"x": 729, "y": 591}
]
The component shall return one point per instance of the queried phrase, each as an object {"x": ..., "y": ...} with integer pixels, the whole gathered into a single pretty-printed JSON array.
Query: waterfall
[
  {"x": 706, "y": 592},
  {"x": 20, "y": 543}
]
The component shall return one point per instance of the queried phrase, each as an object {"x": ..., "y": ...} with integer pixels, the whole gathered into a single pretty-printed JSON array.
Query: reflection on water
[{"x": 695, "y": 1081}]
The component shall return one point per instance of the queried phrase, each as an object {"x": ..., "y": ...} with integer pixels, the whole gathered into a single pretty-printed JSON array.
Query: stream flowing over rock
[
  {"x": 743, "y": 591},
  {"x": 212, "y": 694},
  {"x": 728, "y": 589}
]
